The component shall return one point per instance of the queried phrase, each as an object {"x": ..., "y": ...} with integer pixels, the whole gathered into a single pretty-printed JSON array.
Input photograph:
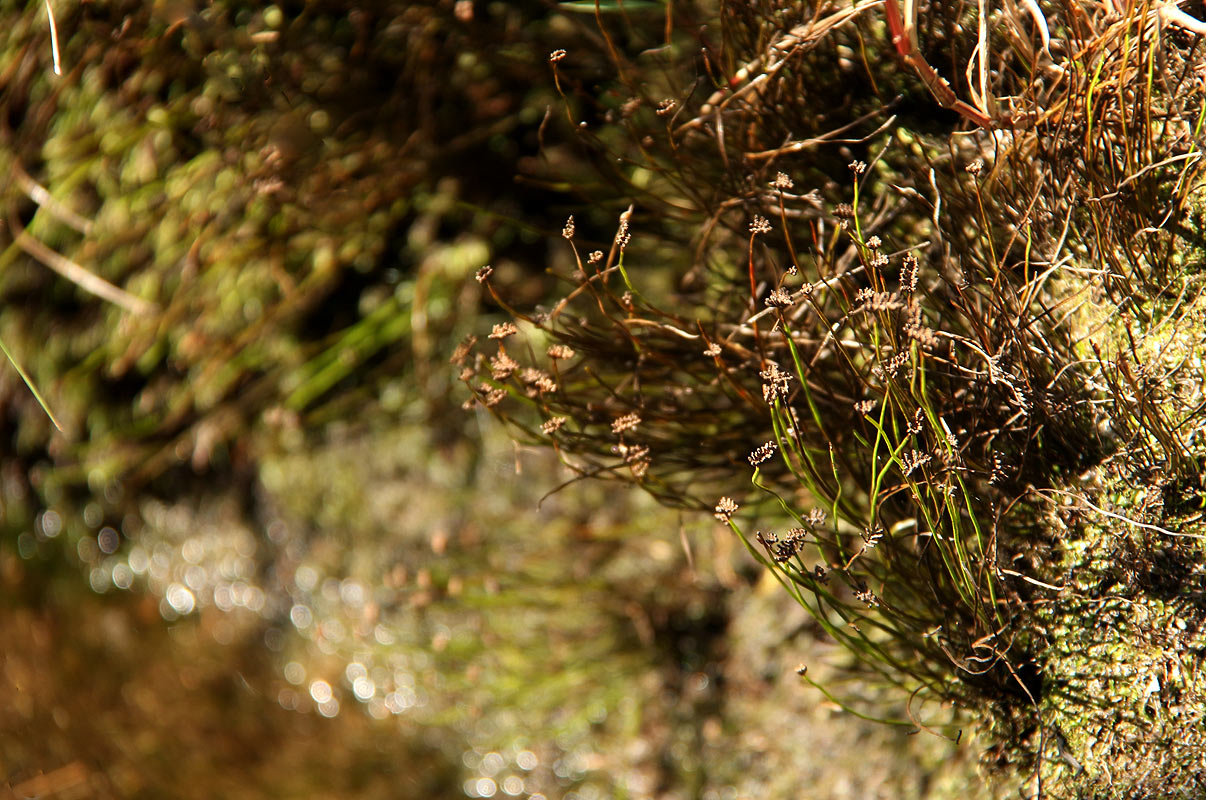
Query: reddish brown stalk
[{"x": 939, "y": 88}]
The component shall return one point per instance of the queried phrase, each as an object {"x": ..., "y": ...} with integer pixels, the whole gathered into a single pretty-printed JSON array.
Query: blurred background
[{"x": 262, "y": 550}]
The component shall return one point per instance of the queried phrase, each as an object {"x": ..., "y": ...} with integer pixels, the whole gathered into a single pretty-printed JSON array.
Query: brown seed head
[
  {"x": 625, "y": 423},
  {"x": 552, "y": 425},
  {"x": 725, "y": 509},
  {"x": 502, "y": 366},
  {"x": 779, "y": 298},
  {"x": 775, "y": 383},
  {"x": 461, "y": 353},
  {"x": 503, "y": 330},
  {"x": 762, "y": 452},
  {"x": 908, "y": 275}
]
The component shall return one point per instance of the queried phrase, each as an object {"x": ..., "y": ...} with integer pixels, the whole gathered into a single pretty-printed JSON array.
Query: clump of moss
[
  {"x": 1121, "y": 624},
  {"x": 1124, "y": 689},
  {"x": 266, "y": 194}
]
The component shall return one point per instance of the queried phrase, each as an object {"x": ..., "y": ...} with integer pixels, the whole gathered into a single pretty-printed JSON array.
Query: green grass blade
[{"x": 29, "y": 382}]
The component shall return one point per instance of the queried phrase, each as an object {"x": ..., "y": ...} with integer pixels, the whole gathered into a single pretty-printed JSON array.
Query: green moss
[
  {"x": 1124, "y": 685},
  {"x": 1122, "y": 642}
]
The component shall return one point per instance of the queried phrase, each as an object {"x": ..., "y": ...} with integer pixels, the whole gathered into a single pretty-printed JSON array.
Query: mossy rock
[
  {"x": 1120, "y": 626},
  {"x": 1124, "y": 693}
]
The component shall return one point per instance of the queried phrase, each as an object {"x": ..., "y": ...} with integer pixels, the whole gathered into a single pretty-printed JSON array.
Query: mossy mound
[
  {"x": 1125, "y": 690},
  {"x": 1124, "y": 635},
  {"x": 265, "y": 197}
]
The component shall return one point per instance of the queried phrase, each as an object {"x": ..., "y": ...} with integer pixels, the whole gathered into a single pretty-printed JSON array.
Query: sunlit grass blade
[{"x": 32, "y": 388}]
